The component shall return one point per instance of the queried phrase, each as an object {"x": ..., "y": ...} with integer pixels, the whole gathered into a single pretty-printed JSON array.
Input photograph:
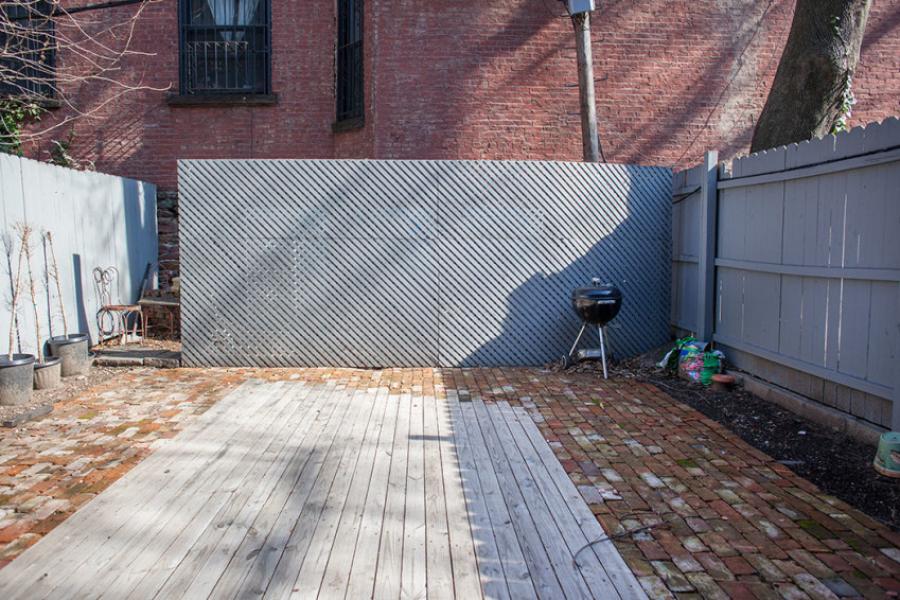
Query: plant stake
[
  {"x": 12, "y": 312},
  {"x": 55, "y": 273},
  {"x": 25, "y": 232}
]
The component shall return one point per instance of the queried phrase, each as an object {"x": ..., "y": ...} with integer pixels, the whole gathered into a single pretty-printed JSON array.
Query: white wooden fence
[
  {"x": 790, "y": 260},
  {"x": 96, "y": 220}
]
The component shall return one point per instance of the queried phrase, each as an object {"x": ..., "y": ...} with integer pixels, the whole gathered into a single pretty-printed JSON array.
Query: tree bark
[{"x": 812, "y": 82}]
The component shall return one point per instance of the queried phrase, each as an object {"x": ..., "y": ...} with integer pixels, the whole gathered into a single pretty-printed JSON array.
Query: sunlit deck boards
[{"x": 308, "y": 490}]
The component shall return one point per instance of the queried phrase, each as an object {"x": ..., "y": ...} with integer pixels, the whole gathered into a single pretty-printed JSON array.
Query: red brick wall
[
  {"x": 472, "y": 79},
  {"x": 674, "y": 78},
  {"x": 475, "y": 79}
]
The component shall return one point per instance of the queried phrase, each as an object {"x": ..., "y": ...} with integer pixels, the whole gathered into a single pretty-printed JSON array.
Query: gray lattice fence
[{"x": 410, "y": 263}]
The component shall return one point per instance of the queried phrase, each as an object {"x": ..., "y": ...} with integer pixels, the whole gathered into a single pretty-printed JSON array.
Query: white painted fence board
[{"x": 97, "y": 220}]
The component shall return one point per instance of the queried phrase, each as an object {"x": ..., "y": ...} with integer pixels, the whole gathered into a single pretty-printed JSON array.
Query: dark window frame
[
  {"x": 257, "y": 76},
  {"x": 37, "y": 83},
  {"x": 349, "y": 65}
]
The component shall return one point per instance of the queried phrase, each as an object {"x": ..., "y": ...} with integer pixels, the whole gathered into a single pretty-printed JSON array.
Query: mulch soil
[{"x": 835, "y": 462}]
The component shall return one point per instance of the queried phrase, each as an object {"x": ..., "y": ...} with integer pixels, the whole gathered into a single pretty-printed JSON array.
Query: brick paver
[
  {"x": 710, "y": 514},
  {"x": 697, "y": 512},
  {"x": 52, "y": 466}
]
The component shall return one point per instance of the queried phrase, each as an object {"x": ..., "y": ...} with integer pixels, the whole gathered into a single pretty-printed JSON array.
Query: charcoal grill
[{"x": 596, "y": 305}]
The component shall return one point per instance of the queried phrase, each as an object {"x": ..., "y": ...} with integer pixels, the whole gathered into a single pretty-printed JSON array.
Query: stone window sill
[
  {"x": 348, "y": 124},
  {"x": 222, "y": 100}
]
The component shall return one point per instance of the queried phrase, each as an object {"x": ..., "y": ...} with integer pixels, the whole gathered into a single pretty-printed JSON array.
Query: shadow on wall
[
  {"x": 539, "y": 323},
  {"x": 80, "y": 306}
]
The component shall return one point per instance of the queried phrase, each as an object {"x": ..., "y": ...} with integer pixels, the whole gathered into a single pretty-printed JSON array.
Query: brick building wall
[{"x": 470, "y": 79}]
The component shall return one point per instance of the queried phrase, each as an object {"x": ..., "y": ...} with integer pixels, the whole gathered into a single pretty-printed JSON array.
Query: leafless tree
[{"x": 49, "y": 51}]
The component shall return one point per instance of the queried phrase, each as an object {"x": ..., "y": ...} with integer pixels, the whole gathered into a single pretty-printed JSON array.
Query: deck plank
[
  {"x": 277, "y": 521},
  {"x": 361, "y": 581},
  {"x": 390, "y": 550},
  {"x": 307, "y": 534},
  {"x": 413, "y": 579},
  {"x": 336, "y": 488},
  {"x": 105, "y": 514},
  {"x": 130, "y": 509},
  {"x": 519, "y": 487},
  {"x": 191, "y": 513},
  {"x": 623, "y": 579},
  {"x": 466, "y": 582},
  {"x": 200, "y": 568},
  {"x": 338, "y": 526},
  {"x": 527, "y": 461},
  {"x": 485, "y": 505},
  {"x": 519, "y": 544},
  {"x": 439, "y": 562}
]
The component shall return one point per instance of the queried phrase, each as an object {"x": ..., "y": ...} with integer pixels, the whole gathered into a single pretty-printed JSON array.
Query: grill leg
[
  {"x": 578, "y": 339},
  {"x": 603, "y": 352}
]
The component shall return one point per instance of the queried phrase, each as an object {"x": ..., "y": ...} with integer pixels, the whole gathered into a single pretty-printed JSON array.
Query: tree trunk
[{"x": 811, "y": 91}]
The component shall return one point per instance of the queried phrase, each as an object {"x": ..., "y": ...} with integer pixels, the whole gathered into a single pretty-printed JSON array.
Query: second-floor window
[
  {"x": 225, "y": 47},
  {"x": 27, "y": 49},
  {"x": 349, "y": 90}
]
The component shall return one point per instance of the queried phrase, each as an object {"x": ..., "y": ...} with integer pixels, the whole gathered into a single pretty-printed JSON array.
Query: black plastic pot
[
  {"x": 16, "y": 379},
  {"x": 73, "y": 351},
  {"x": 47, "y": 374}
]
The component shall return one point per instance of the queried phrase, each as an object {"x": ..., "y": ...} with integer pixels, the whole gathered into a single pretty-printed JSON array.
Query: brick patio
[
  {"x": 51, "y": 467},
  {"x": 712, "y": 517},
  {"x": 728, "y": 520}
]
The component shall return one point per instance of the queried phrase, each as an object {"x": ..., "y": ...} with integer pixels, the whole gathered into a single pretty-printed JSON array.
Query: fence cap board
[{"x": 873, "y": 137}]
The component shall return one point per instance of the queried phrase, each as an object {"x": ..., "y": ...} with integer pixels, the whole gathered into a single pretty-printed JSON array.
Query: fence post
[
  {"x": 706, "y": 267},
  {"x": 895, "y": 409}
]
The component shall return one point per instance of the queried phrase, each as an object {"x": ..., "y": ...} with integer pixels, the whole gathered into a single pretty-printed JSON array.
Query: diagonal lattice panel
[{"x": 415, "y": 263}]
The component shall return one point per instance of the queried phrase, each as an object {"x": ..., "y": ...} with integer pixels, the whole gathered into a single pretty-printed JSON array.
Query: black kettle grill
[{"x": 596, "y": 304}]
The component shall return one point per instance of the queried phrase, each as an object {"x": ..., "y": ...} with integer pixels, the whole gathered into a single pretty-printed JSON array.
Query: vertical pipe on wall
[
  {"x": 706, "y": 275},
  {"x": 590, "y": 140}
]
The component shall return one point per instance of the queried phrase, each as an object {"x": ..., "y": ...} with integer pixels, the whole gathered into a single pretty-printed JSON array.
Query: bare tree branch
[{"x": 48, "y": 53}]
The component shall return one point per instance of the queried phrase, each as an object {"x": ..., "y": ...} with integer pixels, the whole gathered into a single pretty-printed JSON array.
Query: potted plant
[
  {"x": 16, "y": 370},
  {"x": 46, "y": 369},
  {"x": 70, "y": 348}
]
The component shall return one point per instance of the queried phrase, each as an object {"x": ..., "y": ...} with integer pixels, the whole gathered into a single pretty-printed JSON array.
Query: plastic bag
[
  {"x": 692, "y": 361},
  {"x": 670, "y": 360}
]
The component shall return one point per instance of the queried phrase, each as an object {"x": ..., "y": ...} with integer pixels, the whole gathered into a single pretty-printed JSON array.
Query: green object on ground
[
  {"x": 887, "y": 459},
  {"x": 712, "y": 365}
]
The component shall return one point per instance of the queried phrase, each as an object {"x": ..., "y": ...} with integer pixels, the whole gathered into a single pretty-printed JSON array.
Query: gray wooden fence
[
  {"x": 97, "y": 220},
  {"x": 790, "y": 260}
]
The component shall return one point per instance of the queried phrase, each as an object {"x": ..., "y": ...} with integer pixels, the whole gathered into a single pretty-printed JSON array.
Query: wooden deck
[{"x": 314, "y": 490}]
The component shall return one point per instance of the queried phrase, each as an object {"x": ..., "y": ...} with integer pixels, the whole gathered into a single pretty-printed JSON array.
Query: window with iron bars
[
  {"x": 27, "y": 49},
  {"x": 225, "y": 47},
  {"x": 349, "y": 88}
]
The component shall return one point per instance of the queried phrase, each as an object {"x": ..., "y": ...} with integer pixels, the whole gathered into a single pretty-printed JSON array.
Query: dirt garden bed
[{"x": 835, "y": 462}]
